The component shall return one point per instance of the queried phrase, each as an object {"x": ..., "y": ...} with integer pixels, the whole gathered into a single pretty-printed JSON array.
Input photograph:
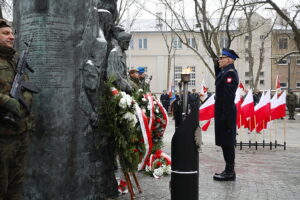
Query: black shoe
[
  {"x": 217, "y": 174},
  {"x": 226, "y": 176},
  {"x": 293, "y": 118}
]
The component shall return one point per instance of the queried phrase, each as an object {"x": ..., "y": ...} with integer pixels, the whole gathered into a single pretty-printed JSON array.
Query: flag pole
[
  {"x": 270, "y": 139},
  {"x": 240, "y": 135},
  {"x": 284, "y": 133},
  {"x": 250, "y": 133},
  {"x": 255, "y": 132},
  {"x": 276, "y": 121}
]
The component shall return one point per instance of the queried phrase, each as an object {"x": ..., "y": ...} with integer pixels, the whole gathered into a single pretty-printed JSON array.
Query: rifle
[{"x": 19, "y": 84}]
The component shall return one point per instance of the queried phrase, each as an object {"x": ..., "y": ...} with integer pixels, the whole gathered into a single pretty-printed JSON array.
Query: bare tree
[
  {"x": 168, "y": 40},
  {"x": 130, "y": 8},
  {"x": 291, "y": 21}
]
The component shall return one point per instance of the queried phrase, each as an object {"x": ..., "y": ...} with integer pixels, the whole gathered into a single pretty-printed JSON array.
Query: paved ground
[{"x": 261, "y": 174}]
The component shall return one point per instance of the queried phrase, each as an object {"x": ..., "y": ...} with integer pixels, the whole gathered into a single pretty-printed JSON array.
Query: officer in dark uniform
[
  {"x": 165, "y": 100},
  {"x": 225, "y": 111}
]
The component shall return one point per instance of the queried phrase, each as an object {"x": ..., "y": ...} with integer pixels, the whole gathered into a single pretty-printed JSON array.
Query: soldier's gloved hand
[{"x": 13, "y": 106}]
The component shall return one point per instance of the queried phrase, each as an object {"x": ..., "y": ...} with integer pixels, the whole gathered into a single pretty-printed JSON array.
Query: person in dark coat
[
  {"x": 227, "y": 81},
  {"x": 165, "y": 100}
]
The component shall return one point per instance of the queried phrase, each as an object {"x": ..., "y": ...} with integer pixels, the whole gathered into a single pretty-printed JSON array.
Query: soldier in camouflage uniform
[
  {"x": 134, "y": 79},
  {"x": 291, "y": 101},
  {"x": 15, "y": 122}
]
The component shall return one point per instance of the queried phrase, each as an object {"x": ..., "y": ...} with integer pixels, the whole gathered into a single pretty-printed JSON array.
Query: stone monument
[{"x": 69, "y": 159}]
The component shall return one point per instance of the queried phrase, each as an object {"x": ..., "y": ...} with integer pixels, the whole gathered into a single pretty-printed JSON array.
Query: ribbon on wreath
[
  {"x": 151, "y": 103},
  {"x": 146, "y": 135},
  {"x": 159, "y": 154},
  {"x": 165, "y": 115}
]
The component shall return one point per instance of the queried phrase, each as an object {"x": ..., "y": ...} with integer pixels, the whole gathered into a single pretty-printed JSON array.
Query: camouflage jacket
[{"x": 7, "y": 74}]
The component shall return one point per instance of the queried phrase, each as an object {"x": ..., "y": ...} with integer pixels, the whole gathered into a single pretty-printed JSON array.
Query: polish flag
[
  {"x": 203, "y": 91},
  {"x": 238, "y": 102},
  {"x": 263, "y": 111},
  {"x": 205, "y": 126},
  {"x": 247, "y": 107},
  {"x": 207, "y": 110},
  {"x": 278, "y": 106},
  {"x": 278, "y": 87}
]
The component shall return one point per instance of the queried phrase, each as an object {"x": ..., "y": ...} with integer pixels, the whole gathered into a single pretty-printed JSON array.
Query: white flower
[
  {"x": 144, "y": 99},
  {"x": 128, "y": 100},
  {"x": 123, "y": 103},
  {"x": 144, "y": 110},
  {"x": 158, "y": 172},
  {"x": 156, "y": 110},
  {"x": 154, "y": 102},
  {"x": 130, "y": 118},
  {"x": 140, "y": 90},
  {"x": 167, "y": 169},
  {"x": 123, "y": 94},
  {"x": 148, "y": 168}
]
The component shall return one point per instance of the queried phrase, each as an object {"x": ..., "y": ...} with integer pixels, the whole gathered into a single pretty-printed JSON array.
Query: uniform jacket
[
  {"x": 225, "y": 111},
  {"x": 291, "y": 99},
  {"x": 7, "y": 74},
  {"x": 165, "y": 99}
]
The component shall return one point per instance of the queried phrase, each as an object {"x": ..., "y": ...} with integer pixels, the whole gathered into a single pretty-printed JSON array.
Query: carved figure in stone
[{"x": 117, "y": 60}]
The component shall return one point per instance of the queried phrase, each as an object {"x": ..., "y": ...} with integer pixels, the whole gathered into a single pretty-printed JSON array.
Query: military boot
[{"x": 227, "y": 175}]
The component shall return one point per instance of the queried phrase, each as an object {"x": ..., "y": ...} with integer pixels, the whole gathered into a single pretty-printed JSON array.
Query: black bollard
[{"x": 185, "y": 160}]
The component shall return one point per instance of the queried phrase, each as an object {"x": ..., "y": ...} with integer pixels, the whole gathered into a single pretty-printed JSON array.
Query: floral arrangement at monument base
[{"x": 159, "y": 164}]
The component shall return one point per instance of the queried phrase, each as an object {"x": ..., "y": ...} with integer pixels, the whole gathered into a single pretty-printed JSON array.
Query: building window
[
  {"x": 298, "y": 61},
  {"x": 262, "y": 82},
  {"x": 192, "y": 76},
  {"x": 131, "y": 44},
  {"x": 261, "y": 73},
  {"x": 192, "y": 42},
  {"x": 143, "y": 43},
  {"x": 177, "y": 73},
  {"x": 283, "y": 85},
  {"x": 224, "y": 42},
  {"x": 298, "y": 85},
  {"x": 246, "y": 73},
  {"x": 283, "y": 43},
  {"x": 261, "y": 37},
  {"x": 177, "y": 44},
  {"x": 283, "y": 62},
  {"x": 247, "y": 50},
  {"x": 247, "y": 37},
  {"x": 247, "y": 82}
]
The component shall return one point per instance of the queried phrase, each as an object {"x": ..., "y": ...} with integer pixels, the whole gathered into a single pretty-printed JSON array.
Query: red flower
[
  {"x": 135, "y": 150},
  {"x": 158, "y": 120},
  {"x": 154, "y": 128},
  {"x": 158, "y": 164},
  {"x": 114, "y": 91}
]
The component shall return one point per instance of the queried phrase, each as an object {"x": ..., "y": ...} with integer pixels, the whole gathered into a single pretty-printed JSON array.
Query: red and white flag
[
  {"x": 247, "y": 107},
  {"x": 278, "y": 106},
  {"x": 277, "y": 86},
  {"x": 263, "y": 111},
  {"x": 207, "y": 112},
  {"x": 203, "y": 91},
  {"x": 238, "y": 102}
]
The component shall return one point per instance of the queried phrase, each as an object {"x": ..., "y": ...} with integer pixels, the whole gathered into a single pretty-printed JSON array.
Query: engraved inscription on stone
[
  {"x": 48, "y": 55},
  {"x": 41, "y": 5}
]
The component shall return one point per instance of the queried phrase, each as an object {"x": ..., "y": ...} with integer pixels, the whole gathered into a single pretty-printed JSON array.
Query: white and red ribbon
[
  {"x": 146, "y": 135},
  {"x": 151, "y": 102},
  {"x": 165, "y": 115}
]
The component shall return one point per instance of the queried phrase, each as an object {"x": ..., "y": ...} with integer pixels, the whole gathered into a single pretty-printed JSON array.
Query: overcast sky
[{"x": 211, "y": 7}]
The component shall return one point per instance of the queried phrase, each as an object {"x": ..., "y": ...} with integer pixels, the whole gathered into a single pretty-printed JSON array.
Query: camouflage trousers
[{"x": 13, "y": 151}]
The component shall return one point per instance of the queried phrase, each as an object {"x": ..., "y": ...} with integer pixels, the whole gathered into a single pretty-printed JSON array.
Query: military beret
[
  {"x": 140, "y": 70},
  {"x": 229, "y": 53},
  {"x": 3, "y": 23}
]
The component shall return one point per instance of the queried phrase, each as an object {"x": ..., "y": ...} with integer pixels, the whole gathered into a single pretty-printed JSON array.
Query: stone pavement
[{"x": 261, "y": 174}]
